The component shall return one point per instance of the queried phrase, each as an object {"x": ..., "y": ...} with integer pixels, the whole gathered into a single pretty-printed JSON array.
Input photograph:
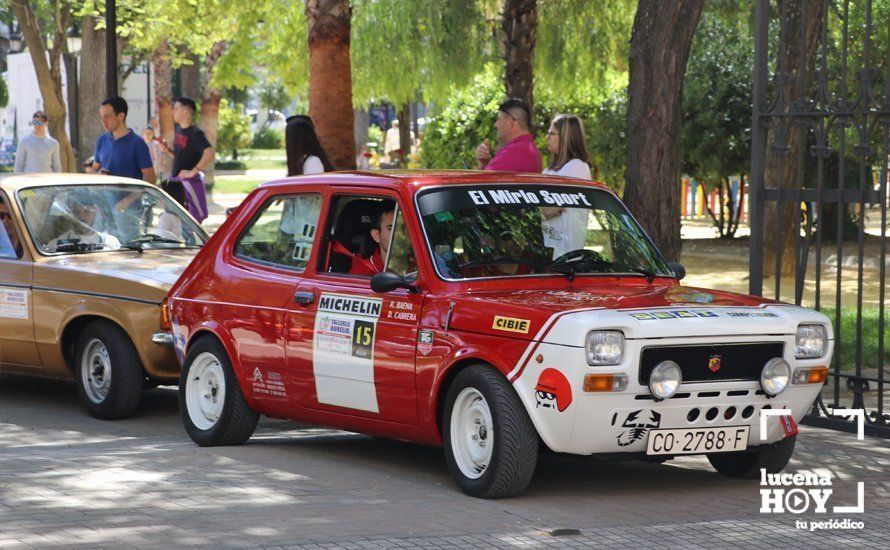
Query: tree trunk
[
  {"x": 71, "y": 77},
  {"x": 519, "y": 23},
  {"x": 91, "y": 89},
  {"x": 163, "y": 73},
  {"x": 191, "y": 77},
  {"x": 362, "y": 120},
  {"x": 659, "y": 50},
  {"x": 210, "y": 104},
  {"x": 784, "y": 141},
  {"x": 405, "y": 124},
  {"x": 49, "y": 74},
  {"x": 330, "y": 79}
]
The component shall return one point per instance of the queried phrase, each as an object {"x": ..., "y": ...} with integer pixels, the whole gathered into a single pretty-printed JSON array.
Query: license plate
[{"x": 698, "y": 440}]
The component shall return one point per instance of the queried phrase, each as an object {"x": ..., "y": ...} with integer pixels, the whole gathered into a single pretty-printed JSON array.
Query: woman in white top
[
  {"x": 305, "y": 156},
  {"x": 565, "y": 228}
]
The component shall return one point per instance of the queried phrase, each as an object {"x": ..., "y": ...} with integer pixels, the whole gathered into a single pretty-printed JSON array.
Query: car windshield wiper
[
  {"x": 569, "y": 272},
  {"x": 136, "y": 244},
  {"x": 650, "y": 275},
  {"x": 79, "y": 247}
]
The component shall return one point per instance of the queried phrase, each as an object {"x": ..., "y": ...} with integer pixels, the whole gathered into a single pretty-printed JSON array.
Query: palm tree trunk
[
  {"x": 210, "y": 103},
  {"x": 49, "y": 74},
  {"x": 163, "y": 72},
  {"x": 92, "y": 87},
  {"x": 520, "y": 26},
  {"x": 659, "y": 50},
  {"x": 330, "y": 79}
]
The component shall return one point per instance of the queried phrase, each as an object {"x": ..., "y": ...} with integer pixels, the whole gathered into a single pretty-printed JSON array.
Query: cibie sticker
[
  {"x": 553, "y": 391},
  {"x": 14, "y": 303},
  {"x": 425, "y": 342},
  {"x": 510, "y": 324}
]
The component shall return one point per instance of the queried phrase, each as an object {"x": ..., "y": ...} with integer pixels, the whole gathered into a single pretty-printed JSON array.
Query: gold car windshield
[{"x": 68, "y": 219}]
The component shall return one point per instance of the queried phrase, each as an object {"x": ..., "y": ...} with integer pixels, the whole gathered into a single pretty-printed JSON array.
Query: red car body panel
[{"x": 251, "y": 309}]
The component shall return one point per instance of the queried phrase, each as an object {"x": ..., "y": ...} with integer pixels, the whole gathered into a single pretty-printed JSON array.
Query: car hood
[
  {"x": 640, "y": 311},
  {"x": 128, "y": 273}
]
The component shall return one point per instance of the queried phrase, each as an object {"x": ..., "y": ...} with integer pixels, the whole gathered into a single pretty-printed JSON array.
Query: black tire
[
  {"x": 236, "y": 421},
  {"x": 747, "y": 465},
  {"x": 109, "y": 382},
  {"x": 515, "y": 440}
]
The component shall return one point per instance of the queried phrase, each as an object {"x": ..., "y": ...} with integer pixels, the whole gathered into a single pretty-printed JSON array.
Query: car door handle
[{"x": 304, "y": 298}]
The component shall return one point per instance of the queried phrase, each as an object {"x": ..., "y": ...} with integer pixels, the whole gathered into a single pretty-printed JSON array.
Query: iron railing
[{"x": 820, "y": 152}]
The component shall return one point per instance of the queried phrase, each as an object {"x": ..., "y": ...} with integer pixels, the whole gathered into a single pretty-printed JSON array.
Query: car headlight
[
  {"x": 810, "y": 342},
  {"x": 665, "y": 379},
  {"x": 605, "y": 347},
  {"x": 775, "y": 375}
]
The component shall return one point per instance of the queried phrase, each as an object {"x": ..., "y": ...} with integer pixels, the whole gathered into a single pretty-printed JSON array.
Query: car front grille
[{"x": 736, "y": 361}]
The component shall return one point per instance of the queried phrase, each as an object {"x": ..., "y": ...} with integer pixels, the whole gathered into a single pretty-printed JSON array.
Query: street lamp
[{"x": 75, "y": 43}]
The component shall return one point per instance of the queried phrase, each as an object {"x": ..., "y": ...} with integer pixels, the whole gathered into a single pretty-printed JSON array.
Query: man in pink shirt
[{"x": 518, "y": 152}]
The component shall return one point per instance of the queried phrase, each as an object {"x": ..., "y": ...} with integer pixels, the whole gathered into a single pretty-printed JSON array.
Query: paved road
[{"x": 67, "y": 480}]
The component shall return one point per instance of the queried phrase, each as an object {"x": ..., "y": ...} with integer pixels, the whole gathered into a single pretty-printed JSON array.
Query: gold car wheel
[
  {"x": 95, "y": 371},
  {"x": 205, "y": 391}
]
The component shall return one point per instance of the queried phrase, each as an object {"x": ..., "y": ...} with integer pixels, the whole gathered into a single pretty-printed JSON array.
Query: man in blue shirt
[{"x": 119, "y": 151}]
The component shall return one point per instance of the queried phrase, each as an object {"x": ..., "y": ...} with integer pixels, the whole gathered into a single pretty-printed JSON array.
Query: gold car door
[{"x": 18, "y": 351}]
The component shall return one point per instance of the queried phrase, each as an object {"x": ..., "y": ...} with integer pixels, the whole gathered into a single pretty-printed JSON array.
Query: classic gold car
[{"x": 85, "y": 264}]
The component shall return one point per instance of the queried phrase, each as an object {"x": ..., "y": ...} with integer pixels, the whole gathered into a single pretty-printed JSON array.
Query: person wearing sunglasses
[
  {"x": 38, "y": 152},
  {"x": 518, "y": 152}
]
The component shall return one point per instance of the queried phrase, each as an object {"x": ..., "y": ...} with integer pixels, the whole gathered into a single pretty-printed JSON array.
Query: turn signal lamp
[
  {"x": 165, "y": 316},
  {"x": 605, "y": 382},
  {"x": 810, "y": 375}
]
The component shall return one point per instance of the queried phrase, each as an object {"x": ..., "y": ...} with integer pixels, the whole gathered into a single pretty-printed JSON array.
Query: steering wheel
[{"x": 581, "y": 255}]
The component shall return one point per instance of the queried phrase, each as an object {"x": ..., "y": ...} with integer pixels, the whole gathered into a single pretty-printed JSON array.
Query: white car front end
[{"x": 721, "y": 352}]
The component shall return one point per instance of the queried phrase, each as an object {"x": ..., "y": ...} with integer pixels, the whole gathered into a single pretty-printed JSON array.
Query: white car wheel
[
  {"x": 205, "y": 391},
  {"x": 95, "y": 371},
  {"x": 472, "y": 433}
]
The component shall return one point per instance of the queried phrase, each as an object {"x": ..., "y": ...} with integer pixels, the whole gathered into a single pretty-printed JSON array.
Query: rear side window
[{"x": 283, "y": 233}]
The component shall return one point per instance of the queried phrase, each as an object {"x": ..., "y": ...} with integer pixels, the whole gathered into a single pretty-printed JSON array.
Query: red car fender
[
  {"x": 225, "y": 338},
  {"x": 465, "y": 349}
]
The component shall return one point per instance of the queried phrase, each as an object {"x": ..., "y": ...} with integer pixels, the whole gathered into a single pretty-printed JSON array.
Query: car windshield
[
  {"x": 68, "y": 219},
  {"x": 512, "y": 230}
]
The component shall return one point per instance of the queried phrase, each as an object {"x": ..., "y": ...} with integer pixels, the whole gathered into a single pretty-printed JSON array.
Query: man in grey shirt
[{"x": 38, "y": 152}]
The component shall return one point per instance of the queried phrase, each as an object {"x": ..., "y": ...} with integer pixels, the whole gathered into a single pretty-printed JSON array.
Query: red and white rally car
[{"x": 486, "y": 313}]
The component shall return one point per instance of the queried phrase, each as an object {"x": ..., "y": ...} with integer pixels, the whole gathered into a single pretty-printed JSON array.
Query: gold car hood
[{"x": 119, "y": 272}]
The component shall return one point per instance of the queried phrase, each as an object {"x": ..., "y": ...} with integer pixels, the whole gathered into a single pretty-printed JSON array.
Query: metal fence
[{"x": 818, "y": 194}]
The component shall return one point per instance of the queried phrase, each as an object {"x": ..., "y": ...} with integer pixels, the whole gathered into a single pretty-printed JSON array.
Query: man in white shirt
[
  {"x": 84, "y": 208},
  {"x": 38, "y": 152}
]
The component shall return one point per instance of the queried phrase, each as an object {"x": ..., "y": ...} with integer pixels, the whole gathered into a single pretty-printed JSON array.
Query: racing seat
[{"x": 352, "y": 234}]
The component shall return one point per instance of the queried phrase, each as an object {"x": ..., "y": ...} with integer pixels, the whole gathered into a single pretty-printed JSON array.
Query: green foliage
[
  {"x": 234, "y": 128},
  {"x": 869, "y": 332},
  {"x": 467, "y": 118},
  {"x": 402, "y": 48},
  {"x": 274, "y": 96},
  {"x": 267, "y": 139},
  {"x": 4, "y": 94},
  {"x": 230, "y": 165},
  {"x": 375, "y": 135},
  {"x": 717, "y": 99},
  {"x": 583, "y": 47}
]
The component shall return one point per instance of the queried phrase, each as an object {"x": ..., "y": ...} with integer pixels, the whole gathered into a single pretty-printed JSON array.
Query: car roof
[
  {"x": 12, "y": 183},
  {"x": 414, "y": 180}
]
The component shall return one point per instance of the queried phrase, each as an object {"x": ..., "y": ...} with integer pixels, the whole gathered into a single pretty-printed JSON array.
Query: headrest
[{"x": 354, "y": 225}]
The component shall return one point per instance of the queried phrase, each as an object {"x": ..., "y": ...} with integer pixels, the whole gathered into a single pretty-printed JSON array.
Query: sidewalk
[{"x": 70, "y": 481}]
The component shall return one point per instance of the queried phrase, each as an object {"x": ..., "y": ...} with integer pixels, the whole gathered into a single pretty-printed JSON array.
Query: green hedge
[
  {"x": 468, "y": 116},
  {"x": 268, "y": 139}
]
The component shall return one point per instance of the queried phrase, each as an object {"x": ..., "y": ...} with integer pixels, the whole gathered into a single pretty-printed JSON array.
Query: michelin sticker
[
  {"x": 14, "y": 303},
  {"x": 343, "y": 351}
]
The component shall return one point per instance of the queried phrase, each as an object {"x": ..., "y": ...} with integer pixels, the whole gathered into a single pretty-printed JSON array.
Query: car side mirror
[
  {"x": 388, "y": 281},
  {"x": 678, "y": 269}
]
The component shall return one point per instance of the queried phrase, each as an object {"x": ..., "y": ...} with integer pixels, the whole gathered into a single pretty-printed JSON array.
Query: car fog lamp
[
  {"x": 604, "y": 347},
  {"x": 775, "y": 376},
  {"x": 665, "y": 379},
  {"x": 810, "y": 342}
]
